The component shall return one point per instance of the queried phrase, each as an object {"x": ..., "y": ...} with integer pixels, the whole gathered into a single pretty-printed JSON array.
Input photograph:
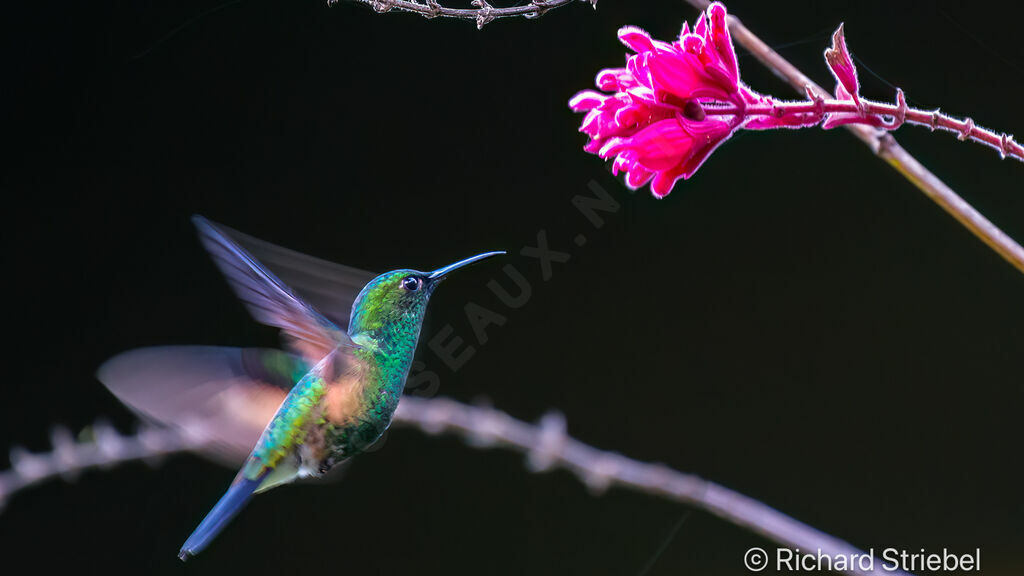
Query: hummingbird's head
[{"x": 390, "y": 308}]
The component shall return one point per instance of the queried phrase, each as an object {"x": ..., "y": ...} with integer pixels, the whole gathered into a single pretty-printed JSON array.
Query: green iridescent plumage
[
  {"x": 289, "y": 427},
  {"x": 347, "y": 383}
]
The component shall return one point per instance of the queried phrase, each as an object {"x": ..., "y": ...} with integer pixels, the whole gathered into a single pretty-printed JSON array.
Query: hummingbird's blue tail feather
[{"x": 237, "y": 496}]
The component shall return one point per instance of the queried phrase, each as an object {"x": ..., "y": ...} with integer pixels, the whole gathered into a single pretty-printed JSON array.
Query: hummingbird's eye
[{"x": 411, "y": 283}]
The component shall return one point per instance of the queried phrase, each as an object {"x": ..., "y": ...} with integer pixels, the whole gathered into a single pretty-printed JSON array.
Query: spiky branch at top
[{"x": 482, "y": 12}]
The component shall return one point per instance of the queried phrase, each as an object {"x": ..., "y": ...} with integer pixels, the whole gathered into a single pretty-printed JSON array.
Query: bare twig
[
  {"x": 885, "y": 146},
  {"x": 483, "y": 13},
  {"x": 547, "y": 446},
  {"x": 103, "y": 447}
]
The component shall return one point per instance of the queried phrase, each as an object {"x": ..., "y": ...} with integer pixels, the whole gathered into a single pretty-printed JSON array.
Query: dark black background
[{"x": 796, "y": 321}]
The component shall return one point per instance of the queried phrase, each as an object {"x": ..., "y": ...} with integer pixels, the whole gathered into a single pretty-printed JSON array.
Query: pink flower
[
  {"x": 674, "y": 103},
  {"x": 654, "y": 123}
]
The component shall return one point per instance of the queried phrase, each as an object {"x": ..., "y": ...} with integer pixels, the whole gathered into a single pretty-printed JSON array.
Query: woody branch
[{"x": 546, "y": 444}]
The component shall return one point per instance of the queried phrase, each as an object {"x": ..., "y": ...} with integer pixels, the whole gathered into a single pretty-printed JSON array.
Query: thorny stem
[
  {"x": 105, "y": 449},
  {"x": 884, "y": 145},
  {"x": 898, "y": 114},
  {"x": 547, "y": 446},
  {"x": 483, "y": 14}
]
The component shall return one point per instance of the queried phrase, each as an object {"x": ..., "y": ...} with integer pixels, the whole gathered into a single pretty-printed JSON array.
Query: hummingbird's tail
[{"x": 237, "y": 496}]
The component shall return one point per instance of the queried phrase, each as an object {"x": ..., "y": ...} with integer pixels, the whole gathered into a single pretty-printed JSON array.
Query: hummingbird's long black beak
[{"x": 442, "y": 272}]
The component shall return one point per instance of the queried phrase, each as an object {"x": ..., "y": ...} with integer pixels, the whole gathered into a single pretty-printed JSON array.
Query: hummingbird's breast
[{"x": 359, "y": 407}]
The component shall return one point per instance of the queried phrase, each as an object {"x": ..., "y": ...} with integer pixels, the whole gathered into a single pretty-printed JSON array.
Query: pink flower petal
[
  {"x": 586, "y": 100},
  {"x": 701, "y": 28},
  {"x": 684, "y": 31},
  {"x": 722, "y": 41},
  {"x": 636, "y": 39},
  {"x": 612, "y": 79},
  {"x": 693, "y": 44},
  {"x": 638, "y": 176},
  {"x": 659, "y": 146},
  {"x": 841, "y": 64},
  {"x": 665, "y": 181},
  {"x": 594, "y": 146},
  {"x": 682, "y": 76}
]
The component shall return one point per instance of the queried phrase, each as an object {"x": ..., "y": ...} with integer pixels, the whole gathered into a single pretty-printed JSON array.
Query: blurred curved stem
[
  {"x": 546, "y": 444},
  {"x": 885, "y": 147},
  {"x": 102, "y": 447}
]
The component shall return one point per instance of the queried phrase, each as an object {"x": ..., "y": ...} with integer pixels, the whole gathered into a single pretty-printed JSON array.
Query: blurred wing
[
  {"x": 328, "y": 287},
  {"x": 268, "y": 299},
  {"x": 232, "y": 393}
]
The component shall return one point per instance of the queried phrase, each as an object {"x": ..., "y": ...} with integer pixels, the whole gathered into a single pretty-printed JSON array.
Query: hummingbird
[{"x": 334, "y": 391}]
